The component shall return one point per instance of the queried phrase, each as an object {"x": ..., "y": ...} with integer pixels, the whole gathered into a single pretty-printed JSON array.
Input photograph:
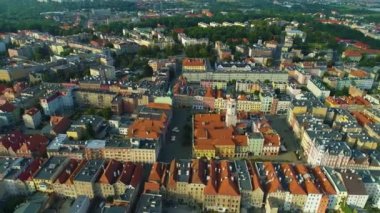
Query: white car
[{"x": 173, "y": 138}]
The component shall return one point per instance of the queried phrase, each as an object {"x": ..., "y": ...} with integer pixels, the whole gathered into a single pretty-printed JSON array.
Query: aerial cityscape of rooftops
[{"x": 187, "y": 106}]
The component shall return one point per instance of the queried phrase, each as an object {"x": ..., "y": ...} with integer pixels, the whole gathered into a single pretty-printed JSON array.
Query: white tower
[{"x": 231, "y": 118}]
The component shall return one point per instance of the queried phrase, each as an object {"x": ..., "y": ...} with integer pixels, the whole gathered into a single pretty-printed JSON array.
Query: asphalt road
[{"x": 176, "y": 149}]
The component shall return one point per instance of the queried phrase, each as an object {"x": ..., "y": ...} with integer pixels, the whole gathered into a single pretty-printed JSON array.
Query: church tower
[{"x": 231, "y": 118}]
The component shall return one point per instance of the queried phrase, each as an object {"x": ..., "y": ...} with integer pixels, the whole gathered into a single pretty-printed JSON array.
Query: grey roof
[
  {"x": 50, "y": 168},
  {"x": 241, "y": 171},
  {"x": 96, "y": 144},
  {"x": 184, "y": 167},
  {"x": 78, "y": 204},
  {"x": 333, "y": 176},
  {"x": 308, "y": 100},
  {"x": 90, "y": 171},
  {"x": 11, "y": 168},
  {"x": 151, "y": 203}
]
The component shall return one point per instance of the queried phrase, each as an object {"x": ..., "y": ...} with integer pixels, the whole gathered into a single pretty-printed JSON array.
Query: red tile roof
[
  {"x": 131, "y": 174},
  {"x": 273, "y": 185},
  {"x": 227, "y": 186},
  {"x": 308, "y": 183},
  {"x": 68, "y": 171},
  {"x": 37, "y": 143},
  {"x": 210, "y": 188},
  {"x": 361, "y": 118},
  {"x": 13, "y": 140},
  {"x": 28, "y": 173},
  {"x": 323, "y": 182},
  {"x": 254, "y": 176},
  {"x": 146, "y": 129},
  {"x": 111, "y": 173},
  {"x": 60, "y": 124}
]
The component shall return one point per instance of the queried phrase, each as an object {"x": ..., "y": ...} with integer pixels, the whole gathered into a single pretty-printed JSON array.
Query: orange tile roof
[
  {"x": 274, "y": 184},
  {"x": 353, "y": 53},
  {"x": 361, "y": 118},
  {"x": 359, "y": 73},
  {"x": 172, "y": 174},
  {"x": 193, "y": 62},
  {"x": 271, "y": 139},
  {"x": 254, "y": 176},
  {"x": 347, "y": 100},
  {"x": 210, "y": 188},
  {"x": 151, "y": 187},
  {"x": 146, "y": 129},
  {"x": 309, "y": 185},
  {"x": 161, "y": 106},
  {"x": 198, "y": 171},
  {"x": 227, "y": 185},
  {"x": 156, "y": 172},
  {"x": 323, "y": 181},
  {"x": 294, "y": 187},
  {"x": 241, "y": 140}
]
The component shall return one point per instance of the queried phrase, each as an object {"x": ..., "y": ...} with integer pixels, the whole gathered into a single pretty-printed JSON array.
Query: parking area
[{"x": 180, "y": 146}]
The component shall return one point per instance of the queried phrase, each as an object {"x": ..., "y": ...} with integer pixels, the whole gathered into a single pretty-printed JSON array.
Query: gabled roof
[
  {"x": 156, "y": 172},
  {"x": 60, "y": 124},
  {"x": 210, "y": 188},
  {"x": 111, "y": 172},
  {"x": 227, "y": 185},
  {"x": 13, "y": 140},
  {"x": 198, "y": 172},
  {"x": 31, "y": 170},
  {"x": 68, "y": 171}
]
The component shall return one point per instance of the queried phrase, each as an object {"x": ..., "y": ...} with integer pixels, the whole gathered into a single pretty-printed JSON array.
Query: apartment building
[
  {"x": 357, "y": 194},
  {"x": 24, "y": 182},
  {"x": 11, "y": 168},
  {"x": 108, "y": 178},
  {"x": 252, "y": 193},
  {"x": 325, "y": 186},
  {"x": 221, "y": 194},
  {"x": 183, "y": 186},
  {"x": 194, "y": 65},
  {"x": 64, "y": 184},
  {"x": 314, "y": 201},
  {"x": 85, "y": 179},
  {"x": 32, "y": 118},
  {"x": 316, "y": 87},
  {"x": 55, "y": 102},
  {"x": 45, "y": 177}
]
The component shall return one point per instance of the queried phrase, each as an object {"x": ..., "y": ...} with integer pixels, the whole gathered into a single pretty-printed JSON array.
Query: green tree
[{"x": 105, "y": 113}]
